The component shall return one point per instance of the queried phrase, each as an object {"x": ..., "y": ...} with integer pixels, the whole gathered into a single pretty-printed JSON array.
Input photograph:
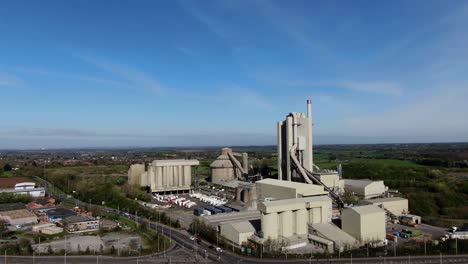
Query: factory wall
[
  {"x": 396, "y": 205},
  {"x": 237, "y": 233},
  {"x": 366, "y": 225},
  {"x": 365, "y": 188},
  {"x": 163, "y": 175},
  {"x": 134, "y": 173},
  {"x": 285, "y": 218}
]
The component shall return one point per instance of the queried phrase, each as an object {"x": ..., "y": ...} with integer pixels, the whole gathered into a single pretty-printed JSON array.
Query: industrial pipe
[{"x": 298, "y": 165}]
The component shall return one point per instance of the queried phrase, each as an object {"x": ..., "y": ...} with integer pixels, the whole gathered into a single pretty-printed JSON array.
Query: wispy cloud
[
  {"x": 134, "y": 77},
  {"x": 63, "y": 75},
  {"x": 9, "y": 80},
  {"x": 441, "y": 113},
  {"x": 375, "y": 87}
]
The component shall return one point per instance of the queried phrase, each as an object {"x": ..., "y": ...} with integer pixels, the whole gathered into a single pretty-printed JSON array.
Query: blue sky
[{"x": 192, "y": 73}]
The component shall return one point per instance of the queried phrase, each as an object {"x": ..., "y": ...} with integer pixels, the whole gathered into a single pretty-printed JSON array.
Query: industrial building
[
  {"x": 365, "y": 223},
  {"x": 80, "y": 224},
  {"x": 330, "y": 237},
  {"x": 47, "y": 229},
  {"x": 56, "y": 215},
  {"x": 277, "y": 189},
  {"x": 135, "y": 172},
  {"x": 18, "y": 217},
  {"x": 365, "y": 189},
  {"x": 398, "y": 206},
  {"x": 237, "y": 232},
  {"x": 226, "y": 168},
  {"x": 163, "y": 176},
  {"x": 295, "y": 155},
  {"x": 288, "y": 217}
]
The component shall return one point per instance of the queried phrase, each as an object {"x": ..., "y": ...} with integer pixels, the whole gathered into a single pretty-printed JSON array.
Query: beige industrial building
[
  {"x": 365, "y": 223},
  {"x": 227, "y": 168},
  {"x": 238, "y": 232},
  {"x": 217, "y": 220},
  {"x": 395, "y": 205},
  {"x": 80, "y": 224},
  {"x": 18, "y": 217},
  {"x": 164, "y": 175},
  {"x": 134, "y": 173},
  {"x": 277, "y": 189},
  {"x": 331, "y": 237},
  {"x": 295, "y": 154},
  {"x": 289, "y": 217},
  {"x": 366, "y": 189},
  {"x": 47, "y": 229},
  {"x": 331, "y": 179}
]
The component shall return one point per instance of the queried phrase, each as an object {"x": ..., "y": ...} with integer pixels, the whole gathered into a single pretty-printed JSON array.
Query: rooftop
[
  {"x": 11, "y": 206},
  {"x": 333, "y": 233},
  {"x": 175, "y": 162},
  {"x": 60, "y": 212},
  {"x": 302, "y": 188},
  {"x": 15, "y": 214},
  {"x": 242, "y": 227},
  {"x": 366, "y": 209},
  {"x": 78, "y": 219},
  {"x": 389, "y": 199},
  {"x": 359, "y": 183}
]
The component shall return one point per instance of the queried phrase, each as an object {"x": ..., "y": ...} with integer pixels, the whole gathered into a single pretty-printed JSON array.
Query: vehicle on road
[
  {"x": 220, "y": 250},
  {"x": 192, "y": 238}
]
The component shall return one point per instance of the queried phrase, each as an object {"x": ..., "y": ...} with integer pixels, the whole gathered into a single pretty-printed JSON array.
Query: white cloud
[
  {"x": 439, "y": 113},
  {"x": 62, "y": 75},
  {"x": 9, "y": 80},
  {"x": 134, "y": 77},
  {"x": 376, "y": 87}
]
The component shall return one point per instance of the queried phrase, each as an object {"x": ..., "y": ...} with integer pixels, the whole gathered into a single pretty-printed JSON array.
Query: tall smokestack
[{"x": 310, "y": 140}]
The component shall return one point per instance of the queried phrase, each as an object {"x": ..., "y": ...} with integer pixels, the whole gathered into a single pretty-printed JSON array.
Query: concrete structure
[
  {"x": 47, "y": 229},
  {"x": 277, "y": 189},
  {"x": 238, "y": 232},
  {"x": 365, "y": 223},
  {"x": 396, "y": 205},
  {"x": 365, "y": 189},
  {"x": 295, "y": 155},
  {"x": 56, "y": 215},
  {"x": 330, "y": 179},
  {"x": 164, "y": 175},
  {"x": 330, "y": 232},
  {"x": 217, "y": 220},
  {"x": 295, "y": 145},
  {"x": 18, "y": 217},
  {"x": 227, "y": 168},
  {"x": 80, "y": 224},
  {"x": 289, "y": 217},
  {"x": 246, "y": 193},
  {"x": 411, "y": 218},
  {"x": 134, "y": 173}
]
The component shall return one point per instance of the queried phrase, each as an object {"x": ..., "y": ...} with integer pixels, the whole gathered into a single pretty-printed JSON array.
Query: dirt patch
[{"x": 10, "y": 182}]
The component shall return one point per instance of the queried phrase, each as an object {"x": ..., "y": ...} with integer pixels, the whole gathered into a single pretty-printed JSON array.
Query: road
[{"x": 201, "y": 252}]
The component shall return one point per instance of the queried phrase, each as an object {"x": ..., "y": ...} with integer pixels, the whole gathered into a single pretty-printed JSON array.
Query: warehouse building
[
  {"x": 238, "y": 232},
  {"x": 278, "y": 189},
  {"x": 365, "y": 223},
  {"x": 134, "y": 173},
  {"x": 80, "y": 224},
  {"x": 18, "y": 217},
  {"x": 395, "y": 205},
  {"x": 330, "y": 237},
  {"x": 56, "y": 215},
  {"x": 285, "y": 218},
  {"x": 365, "y": 189},
  {"x": 163, "y": 176}
]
